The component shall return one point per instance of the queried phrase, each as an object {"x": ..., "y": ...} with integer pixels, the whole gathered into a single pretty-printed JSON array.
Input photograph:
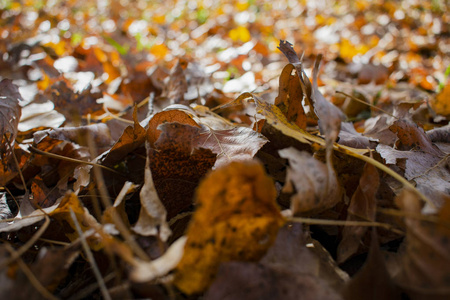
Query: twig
[
  {"x": 344, "y": 223},
  {"x": 78, "y": 161},
  {"x": 368, "y": 104}
]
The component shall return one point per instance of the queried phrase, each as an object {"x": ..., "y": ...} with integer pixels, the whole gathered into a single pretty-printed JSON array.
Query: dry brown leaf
[
  {"x": 132, "y": 138},
  {"x": 290, "y": 97},
  {"x": 362, "y": 207},
  {"x": 373, "y": 280},
  {"x": 10, "y": 112},
  {"x": 425, "y": 270},
  {"x": 177, "y": 164},
  {"x": 177, "y": 83},
  {"x": 287, "y": 271},
  {"x": 315, "y": 188},
  {"x": 167, "y": 116},
  {"x": 152, "y": 217},
  {"x": 238, "y": 143}
]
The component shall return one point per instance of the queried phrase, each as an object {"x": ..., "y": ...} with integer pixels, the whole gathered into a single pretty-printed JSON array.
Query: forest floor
[{"x": 224, "y": 149}]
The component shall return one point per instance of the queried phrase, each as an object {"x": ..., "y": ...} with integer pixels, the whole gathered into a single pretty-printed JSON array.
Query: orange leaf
[{"x": 236, "y": 219}]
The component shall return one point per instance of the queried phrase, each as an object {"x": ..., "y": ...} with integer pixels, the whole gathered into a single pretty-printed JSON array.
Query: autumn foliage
[{"x": 224, "y": 150}]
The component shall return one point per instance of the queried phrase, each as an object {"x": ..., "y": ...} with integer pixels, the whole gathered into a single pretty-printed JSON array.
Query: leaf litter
[{"x": 172, "y": 152}]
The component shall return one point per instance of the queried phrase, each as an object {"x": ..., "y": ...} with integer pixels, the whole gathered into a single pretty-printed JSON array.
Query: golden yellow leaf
[
  {"x": 237, "y": 219},
  {"x": 441, "y": 104},
  {"x": 240, "y": 33}
]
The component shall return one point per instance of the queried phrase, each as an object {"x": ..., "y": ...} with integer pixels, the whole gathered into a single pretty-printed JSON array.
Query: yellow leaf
[
  {"x": 240, "y": 33},
  {"x": 441, "y": 104},
  {"x": 159, "y": 51},
  {"x": 237, "y": 219}
]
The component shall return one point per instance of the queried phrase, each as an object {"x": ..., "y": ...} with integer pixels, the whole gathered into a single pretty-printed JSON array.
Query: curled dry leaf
[
  {"x": 152, "y": 217},
  {"x": 315, "y": 188},
  {"x": 290, "y": 96},
  {"x": 330, "y": 117},
  {"x": 362, "y": 207},
  {"x": 410, "y": 135},
  {"x": 237, "y": 219},
  {"x": 177, "y": 83},
  {"x": 147, "y": 271}
]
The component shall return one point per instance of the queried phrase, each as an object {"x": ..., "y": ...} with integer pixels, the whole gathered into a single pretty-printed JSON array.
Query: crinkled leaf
[
  {"x": 238, "y": 143},
  {"x": 152, "y": 217}
]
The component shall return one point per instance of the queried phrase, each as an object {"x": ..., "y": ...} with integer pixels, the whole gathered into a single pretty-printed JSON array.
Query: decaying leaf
[
  {"x": 177, "y": 164},
  {"x": 362, "y": 207},
  {"x": 147, "y": 271},
  {"x": 315, "y": 188},
  {"x": 236, "y": 219},
  {"x": 440, "y": 104}
]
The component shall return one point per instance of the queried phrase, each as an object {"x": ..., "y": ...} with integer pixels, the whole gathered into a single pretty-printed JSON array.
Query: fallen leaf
[
  {"x": 290, "y": 96},
  {"x": 10, "y": 112},
  {"x": 167, "y": 116},
  {"x": 362, "y": 207},
  {"x": 287, "y": 270},
  {"x": 132, "y": 138},
  {"x": 440, "y": 103},
  {"x": 177, "y": 164},
  {"x": 373, "y": 280},
  {"x": 236, "y": 219},
  {"x": 313, "y": 187},
  {"x": 238, "y": 143},
  {"x": 348, "y": 136},
  {"x": 152, "y": 217},
  {"x": 147, "y": 271},
  {"x": 177, "y": 86},
  {"x": 410, "y": 135},
  {"x": 425, "y": 262},
  {"x": 72, "y": 104}
]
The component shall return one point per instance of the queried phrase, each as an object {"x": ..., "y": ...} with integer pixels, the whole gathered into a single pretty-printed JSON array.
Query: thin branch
[
  {"x": 344, "y": 223},
  {"x": 52, "y": 155},
  {"x": 365, "y": 103}
]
